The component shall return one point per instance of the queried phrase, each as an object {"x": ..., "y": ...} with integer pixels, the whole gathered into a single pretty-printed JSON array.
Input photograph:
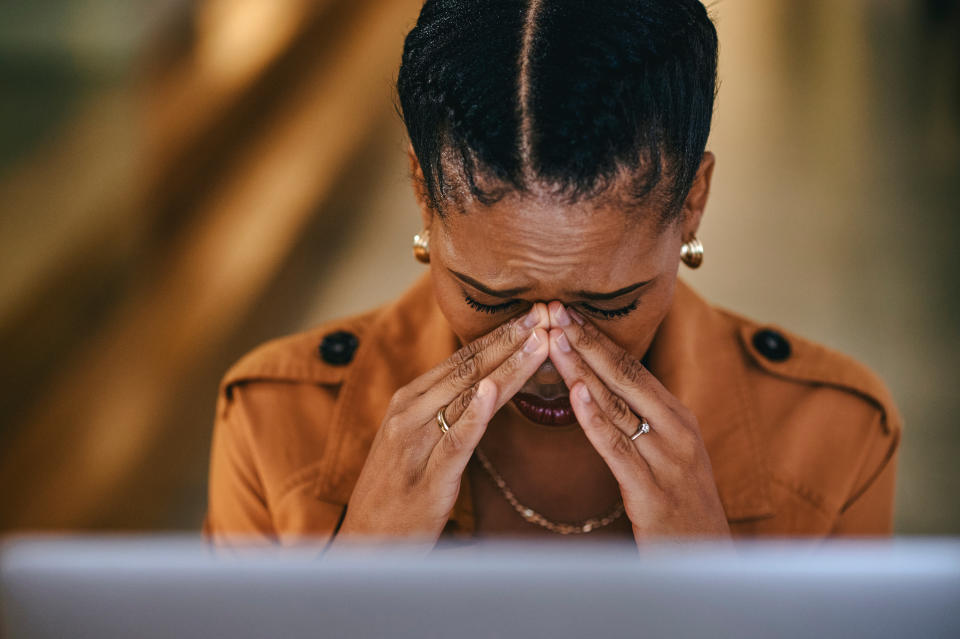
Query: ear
[
  {"x": 420, "y": 188},
  {"x": 696, "y": 201}
]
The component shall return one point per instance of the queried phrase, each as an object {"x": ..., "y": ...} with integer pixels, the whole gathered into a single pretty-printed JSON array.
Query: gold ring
[
  {"x": 442, "y": 421},
  {"x": 642, "y": 429}
]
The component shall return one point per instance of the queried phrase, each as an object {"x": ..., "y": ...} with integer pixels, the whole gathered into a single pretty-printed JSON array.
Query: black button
[
  {"x": 338, "y": 348},
  {"x": 771, "y": 345}
]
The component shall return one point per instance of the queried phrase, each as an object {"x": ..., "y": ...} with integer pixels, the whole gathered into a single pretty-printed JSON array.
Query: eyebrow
[{"x": 510, "y": 292}]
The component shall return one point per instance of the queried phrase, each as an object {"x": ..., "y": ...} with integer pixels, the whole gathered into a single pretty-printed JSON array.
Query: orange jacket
[{"x": 803, "y": 440}]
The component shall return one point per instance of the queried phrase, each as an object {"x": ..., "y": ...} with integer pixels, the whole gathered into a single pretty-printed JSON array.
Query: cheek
[
  {"x": 635, "y": 332},
  {"x": 632, "y": 334}
]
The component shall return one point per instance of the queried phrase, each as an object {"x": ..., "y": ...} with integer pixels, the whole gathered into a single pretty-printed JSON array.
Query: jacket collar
[{"x": 696, "y": 354}]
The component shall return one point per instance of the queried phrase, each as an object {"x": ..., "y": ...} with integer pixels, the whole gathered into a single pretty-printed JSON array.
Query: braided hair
[{"x": 578, "y": 96}]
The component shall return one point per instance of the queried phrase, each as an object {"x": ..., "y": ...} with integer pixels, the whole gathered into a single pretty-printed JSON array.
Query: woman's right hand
[{"x": 411, "y": 477}]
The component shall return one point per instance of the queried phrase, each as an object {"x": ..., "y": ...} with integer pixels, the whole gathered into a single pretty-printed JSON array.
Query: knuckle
[
  {"x": 466, "y": 397},
  {"x": 517, "y": 333},
  {"x": 687, "y": 443},
  {"x": 480, "y": 362},
  {"x": 629, "y": 367},
  {"x": 453, "y": 409},
  {"x": 620, "y": 443},
  {"x": 591, "y": 333},
  {"x": 460, "y": 356},
  {"x": 600, "y": 422},
  {"x": 619, "y": 411},
  {"x": 466, "y": 352},
  {"x": 416, "y": 475},
  {"x": 510, "y": 331},
  {"x": 504, "y": 333},
  {"x": 687, "y": 417},
  {"x": 398, "y": 402},
  {"x": 581, "y": 369},
  {"x": 467, "y": 369},
  {"x": 511, "y": 364},
  {"x": 453, "y": 441},
  {"x": 585, "y": 338},
  {"x": 459, "y": 406},
  {"x": 392, "y": 427}
]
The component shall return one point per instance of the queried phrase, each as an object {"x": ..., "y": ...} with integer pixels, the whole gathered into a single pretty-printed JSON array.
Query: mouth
[{"x": 550, "y": 412}]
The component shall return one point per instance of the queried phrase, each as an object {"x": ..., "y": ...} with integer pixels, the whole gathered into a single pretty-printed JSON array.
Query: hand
[
  {"x": 665, "y": 475},
  {"x": 411, "y": 478}
]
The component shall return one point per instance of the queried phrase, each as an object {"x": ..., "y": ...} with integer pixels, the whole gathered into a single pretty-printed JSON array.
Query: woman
[{"x": 552, "y": 375}]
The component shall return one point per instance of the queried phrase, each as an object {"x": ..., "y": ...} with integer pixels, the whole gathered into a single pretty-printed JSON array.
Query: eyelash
[
  {"x": 496, "y": 308},
  {"x": 615, "y": 313},
  {"x": 488, "y": 308}
]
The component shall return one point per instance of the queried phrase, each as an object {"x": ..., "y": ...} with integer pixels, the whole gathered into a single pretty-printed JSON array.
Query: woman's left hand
[{"x": 665, "y": 476}]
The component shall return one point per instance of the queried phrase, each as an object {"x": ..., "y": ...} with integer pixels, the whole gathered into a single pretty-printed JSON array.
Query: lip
[{"x": 550, "y": 412}]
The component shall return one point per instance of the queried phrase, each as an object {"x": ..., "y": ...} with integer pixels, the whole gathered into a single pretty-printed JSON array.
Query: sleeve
[
  {"x": 869, "y": 509},
  {"x": 237, "y": 509}
]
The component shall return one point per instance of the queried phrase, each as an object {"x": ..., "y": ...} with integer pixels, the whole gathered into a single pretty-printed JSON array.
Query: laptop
[{"x": 148, "y": 587}]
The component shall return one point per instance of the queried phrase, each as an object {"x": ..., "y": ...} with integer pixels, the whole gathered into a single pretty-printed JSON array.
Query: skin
[{"x": 552, "y": 252}]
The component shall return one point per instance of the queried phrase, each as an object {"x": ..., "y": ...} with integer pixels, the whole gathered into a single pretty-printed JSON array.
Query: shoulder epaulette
[
  {"x": 320, "y": 355},
  {"x": 790, "y": 356}
]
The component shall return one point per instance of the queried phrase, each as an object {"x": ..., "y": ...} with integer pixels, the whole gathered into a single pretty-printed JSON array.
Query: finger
[
  {"x": 496, "y": 346},
  {"x": 507, "y": 378},
  {"x": 453, "y": 449},
  {"x": 624, "y": 460},
  {"x": 575, "y": 370},
  {"x": 475, "y": 368},
  {"x": 623, "y": 373}
]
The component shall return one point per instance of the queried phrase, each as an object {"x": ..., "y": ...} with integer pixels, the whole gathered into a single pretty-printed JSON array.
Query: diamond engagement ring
[{"x": 642, "y": 429}]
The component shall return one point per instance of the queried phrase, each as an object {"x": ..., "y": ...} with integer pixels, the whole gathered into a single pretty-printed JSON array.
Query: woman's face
[{"x": 491, "y": 263}]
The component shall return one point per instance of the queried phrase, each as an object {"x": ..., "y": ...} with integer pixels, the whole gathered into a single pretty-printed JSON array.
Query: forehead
[{"x": 529, "y": 240}]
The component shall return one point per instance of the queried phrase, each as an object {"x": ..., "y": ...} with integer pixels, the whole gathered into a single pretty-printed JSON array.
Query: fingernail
[
  {"x": 533, "y": 343},
  {"x": 576, "y": 317},
  {"x": 563, "y": 343},
  {"x": 560, "y": 316},
  {"x": 483, "y": 388},
  {"x": 583, "y": 393},
  {"x": 532, "y": 318}
]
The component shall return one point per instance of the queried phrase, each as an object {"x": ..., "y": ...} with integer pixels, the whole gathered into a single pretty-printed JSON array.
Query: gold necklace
[{"x": 534, "y": 517}]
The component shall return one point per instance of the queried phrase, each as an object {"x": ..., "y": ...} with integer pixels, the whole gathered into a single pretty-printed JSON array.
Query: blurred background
[{"x": 182, "y": 180}]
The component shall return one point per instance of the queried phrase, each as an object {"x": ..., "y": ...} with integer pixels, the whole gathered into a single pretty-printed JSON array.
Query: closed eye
[
  {"x": 599, "y": 312},
  {"x": 489, "y": 308},
  {"x": 613, "y": 313}
]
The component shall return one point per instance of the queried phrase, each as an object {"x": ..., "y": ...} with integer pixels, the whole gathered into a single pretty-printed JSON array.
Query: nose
[{"x": 547, "y": 374}]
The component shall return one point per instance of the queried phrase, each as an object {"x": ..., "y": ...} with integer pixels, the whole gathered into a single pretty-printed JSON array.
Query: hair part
[{"x": 577, "y": 98}]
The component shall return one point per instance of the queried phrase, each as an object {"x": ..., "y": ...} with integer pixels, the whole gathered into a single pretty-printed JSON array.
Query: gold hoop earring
[
  {"x": 421, "y": 246},
  {"x": 692, "y": 253}
]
